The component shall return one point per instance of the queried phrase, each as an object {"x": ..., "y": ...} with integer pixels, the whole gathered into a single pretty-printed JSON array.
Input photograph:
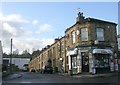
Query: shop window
[
  {"x": 84, "y": 34},
  {"x": 100, "y": 34},
  {"x": 74, "y": 61},
  {"x": 101, "y": 60}
]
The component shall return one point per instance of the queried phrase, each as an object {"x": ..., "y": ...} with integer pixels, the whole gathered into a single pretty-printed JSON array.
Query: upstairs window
[
  {"x": 62, "y": 47},
  {"x": 100, "y": 34},
  {"x": 84, "y": 34},
  {"x": 73, "y": 37},
  {"x": 58, "y": 48}
]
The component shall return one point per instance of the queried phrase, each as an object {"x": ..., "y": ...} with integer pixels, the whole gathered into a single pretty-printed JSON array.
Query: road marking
[{"x": 25, "y": 82}]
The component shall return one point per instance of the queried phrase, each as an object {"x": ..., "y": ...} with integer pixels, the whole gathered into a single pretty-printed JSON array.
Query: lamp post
[{"x": 11, "y": 57}]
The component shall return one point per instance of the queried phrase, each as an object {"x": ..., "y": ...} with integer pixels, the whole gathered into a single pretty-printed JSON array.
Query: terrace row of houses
[{"x": 90, "y": 45}]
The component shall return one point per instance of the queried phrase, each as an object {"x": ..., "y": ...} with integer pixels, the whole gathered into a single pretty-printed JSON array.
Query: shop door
[
  {"x": 85, "y": 63},
  {"x": 74, "y": 64}
]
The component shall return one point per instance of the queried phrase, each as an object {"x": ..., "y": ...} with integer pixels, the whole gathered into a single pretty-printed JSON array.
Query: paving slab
[
  {"x": 87, "y": 75},
  {"x": 13, "y": 76}
]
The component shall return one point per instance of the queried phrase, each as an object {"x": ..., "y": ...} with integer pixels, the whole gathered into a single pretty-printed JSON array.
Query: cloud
[
  {"x": 28, "y": 44},
  {"x": 12, "y": 30},
  {"x": 44, "y": 28},
  {"x": 35, "y": 22},
  {"x": 12, "y": 26},
  {"x": 47, "y": 41},
  {"x": 13, "y": 18}
]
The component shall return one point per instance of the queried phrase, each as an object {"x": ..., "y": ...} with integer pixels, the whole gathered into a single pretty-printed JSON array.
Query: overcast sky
[{"x": 36, "y": 24}]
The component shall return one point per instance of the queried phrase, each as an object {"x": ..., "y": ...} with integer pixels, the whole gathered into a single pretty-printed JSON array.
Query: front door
[
  {"x": 85, "y": 62},
  {"x": 74, "y": 64}
]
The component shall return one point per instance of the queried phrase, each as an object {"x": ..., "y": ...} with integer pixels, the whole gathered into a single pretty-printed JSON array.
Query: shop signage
[
  {"x": 102, "y": 51},
  {"x": 72, "y": 52}
]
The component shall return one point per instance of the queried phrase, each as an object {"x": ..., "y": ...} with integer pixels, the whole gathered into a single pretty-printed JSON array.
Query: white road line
[{"x": 25, "y": 82}]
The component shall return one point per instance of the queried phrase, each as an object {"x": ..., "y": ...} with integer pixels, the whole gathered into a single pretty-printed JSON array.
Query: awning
[
  {"x": 102, "y": 51},
  {"x": 72, "y": 52}
]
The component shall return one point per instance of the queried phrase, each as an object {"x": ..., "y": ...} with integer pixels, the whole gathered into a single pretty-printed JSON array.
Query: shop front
[
  {"x": 102, "y": 61},
  {"x": 74, "y": 61},
  {"x": 95, "y": 61},
  {"x": 78, "y": 60}
]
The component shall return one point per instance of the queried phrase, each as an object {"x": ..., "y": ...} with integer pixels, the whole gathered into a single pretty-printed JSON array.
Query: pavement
[
  {"x": 13, "y": 76},
  {"x": 83, "y": 75},
  {"x": 88, "y": 75},
  {"x": 94, "y": 75}
]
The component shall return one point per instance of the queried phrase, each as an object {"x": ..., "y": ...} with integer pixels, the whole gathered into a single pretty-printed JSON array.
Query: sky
[{"x": 33, "y": 25}]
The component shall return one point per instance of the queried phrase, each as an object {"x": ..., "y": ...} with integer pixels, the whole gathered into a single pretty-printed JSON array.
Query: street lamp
[{"x": 11, "y": 57}]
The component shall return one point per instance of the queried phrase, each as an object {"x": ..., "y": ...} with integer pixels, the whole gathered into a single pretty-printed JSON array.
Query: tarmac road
[{"x": 55, "y": 78}]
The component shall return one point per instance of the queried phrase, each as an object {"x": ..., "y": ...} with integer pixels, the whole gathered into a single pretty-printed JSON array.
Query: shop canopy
[
  {"x": 72, "y": 52},
  {"x": 102, "y": 51}
]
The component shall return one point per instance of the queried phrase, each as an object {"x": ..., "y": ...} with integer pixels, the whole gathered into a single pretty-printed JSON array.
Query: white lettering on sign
[{"x": 102, "y": 51}]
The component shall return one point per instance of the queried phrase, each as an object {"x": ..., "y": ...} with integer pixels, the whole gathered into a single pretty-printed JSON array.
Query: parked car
[{"x": 47, "y": 69}]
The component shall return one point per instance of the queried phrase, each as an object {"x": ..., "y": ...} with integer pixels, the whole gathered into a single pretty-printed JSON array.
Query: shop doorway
[
  {"x": 74, "y": 64},
  {"x": 85, "y": 62}
]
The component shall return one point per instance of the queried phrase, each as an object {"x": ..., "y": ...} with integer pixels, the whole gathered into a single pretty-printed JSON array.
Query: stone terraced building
[{"x": 89, "y": 45}]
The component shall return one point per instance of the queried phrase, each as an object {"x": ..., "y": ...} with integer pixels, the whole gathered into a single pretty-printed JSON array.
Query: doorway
[
  {"x": 74, "y": 64},
  {"x": 85, "y": 62}
]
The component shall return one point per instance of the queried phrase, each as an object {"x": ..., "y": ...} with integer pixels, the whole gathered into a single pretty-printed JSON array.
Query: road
[{"x": 56, "y": 78}]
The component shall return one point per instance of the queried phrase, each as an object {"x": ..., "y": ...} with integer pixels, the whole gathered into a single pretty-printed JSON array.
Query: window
[
  {"x": 74, "y": 61},
  {"x": 84, "y": 34},
  {"x": 58, "y": 48},
  {"x": 100, "y": 34},
  {"x": 73, "y": 37},
  {"x": 62, "y": 47},
  {"x": 54, "y": 53},
  {"x": 101, "y": 60}
]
